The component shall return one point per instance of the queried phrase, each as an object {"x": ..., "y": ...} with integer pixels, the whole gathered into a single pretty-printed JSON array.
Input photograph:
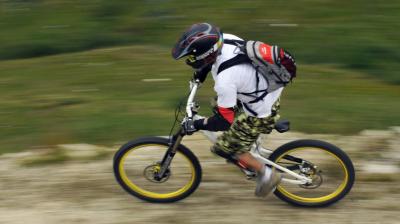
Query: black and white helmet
[{"x": 201, "y": 43}]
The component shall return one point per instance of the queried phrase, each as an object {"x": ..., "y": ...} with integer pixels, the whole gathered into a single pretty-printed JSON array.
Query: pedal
[{"x": 250, "y": 175}]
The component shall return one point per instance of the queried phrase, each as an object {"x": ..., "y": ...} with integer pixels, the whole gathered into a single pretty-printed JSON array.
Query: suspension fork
[{"x": 170, "y": 153}]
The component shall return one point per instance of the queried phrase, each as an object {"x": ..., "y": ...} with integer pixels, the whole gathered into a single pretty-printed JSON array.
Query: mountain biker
[{"x": 206, "y": 49}]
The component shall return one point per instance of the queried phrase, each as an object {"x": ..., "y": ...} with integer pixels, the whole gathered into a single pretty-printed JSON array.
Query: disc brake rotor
[
  {"x": 310, "y": 170},
  {"x": 151, "y": 171}
]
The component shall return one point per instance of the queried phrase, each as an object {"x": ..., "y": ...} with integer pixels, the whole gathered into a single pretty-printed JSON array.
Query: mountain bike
[{"x": 155, "y": 169}]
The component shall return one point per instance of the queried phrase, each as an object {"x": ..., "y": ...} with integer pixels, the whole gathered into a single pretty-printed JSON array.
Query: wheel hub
[
  {"x": 151, "y": 173},
  {"x": 309, "y": 170}
]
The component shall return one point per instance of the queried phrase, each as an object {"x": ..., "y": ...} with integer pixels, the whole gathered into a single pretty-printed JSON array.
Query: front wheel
[
  {"x": 136, "y": 165},
  {"x": 330, "y": 169}
]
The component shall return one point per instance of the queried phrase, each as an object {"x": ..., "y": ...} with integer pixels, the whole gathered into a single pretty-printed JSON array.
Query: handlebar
[{"x": 189, "y": 105}]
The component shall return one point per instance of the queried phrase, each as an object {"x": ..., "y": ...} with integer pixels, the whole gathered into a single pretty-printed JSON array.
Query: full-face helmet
[{"x": 201, "y": 43}]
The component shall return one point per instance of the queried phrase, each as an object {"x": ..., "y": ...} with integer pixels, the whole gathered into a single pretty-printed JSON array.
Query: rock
[
  {"x": 393, "y": 149},
  {"x": 17, "y": 155},
  {"x": 377, "y": 133},
  {"x": 395, "y": 129},
  {"x": 81, "y": 150},
  {"x": 380, "y": 168}
]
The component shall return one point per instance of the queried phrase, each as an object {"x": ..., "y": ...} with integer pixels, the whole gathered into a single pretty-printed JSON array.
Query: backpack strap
[
  {"x": 265, "y": 92},
  {"x": 241, "y": 59},
  {"x": 259, "y": 98},
  {"x": 238, "y": 59},
  {"x": 249, "y": 109},
  {"x": 252, "y": 93}
]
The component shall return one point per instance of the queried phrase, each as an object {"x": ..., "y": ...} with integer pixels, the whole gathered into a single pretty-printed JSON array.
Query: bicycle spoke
[{"x": 327, "y": 176}]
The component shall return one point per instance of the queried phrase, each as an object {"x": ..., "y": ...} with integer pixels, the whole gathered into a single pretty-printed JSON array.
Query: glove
[{"x": 189, "y": 127}]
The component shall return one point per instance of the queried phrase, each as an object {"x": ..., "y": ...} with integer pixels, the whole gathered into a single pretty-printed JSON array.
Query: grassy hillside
[
  {"x": 361, "y": 35},
  {"x": 99, "y": 97}
]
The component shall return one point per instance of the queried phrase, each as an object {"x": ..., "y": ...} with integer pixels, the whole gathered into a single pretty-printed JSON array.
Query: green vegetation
[
  {"x": 358, "y": 34},
  {"x": 347, "y": 53},
  {"x": 99, "y": 97}
]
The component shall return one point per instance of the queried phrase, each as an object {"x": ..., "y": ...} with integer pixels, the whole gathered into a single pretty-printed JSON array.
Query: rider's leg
[
  {"x": 249, "y": 161},
  {"x": 237, "y": 141},
  {"x": 242, "y": 134}
]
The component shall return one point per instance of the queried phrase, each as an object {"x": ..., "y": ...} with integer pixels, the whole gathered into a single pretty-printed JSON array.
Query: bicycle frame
[{"x": 256, "y": 150}]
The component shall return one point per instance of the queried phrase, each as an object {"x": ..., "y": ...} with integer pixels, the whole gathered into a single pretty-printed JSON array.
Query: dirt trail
[{"x": 84, "y": 191}]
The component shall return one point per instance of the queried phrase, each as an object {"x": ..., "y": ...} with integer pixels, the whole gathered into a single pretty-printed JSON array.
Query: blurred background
[
  {"x": 77, "y": 71},
  {"x": 73, "y": 71}
]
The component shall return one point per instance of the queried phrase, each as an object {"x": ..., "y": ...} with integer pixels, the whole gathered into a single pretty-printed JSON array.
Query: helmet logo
[
  {"x": 212, "y": 50},
  {"x": 191, "y": 58},
  {"x": 207, "y": 53}
]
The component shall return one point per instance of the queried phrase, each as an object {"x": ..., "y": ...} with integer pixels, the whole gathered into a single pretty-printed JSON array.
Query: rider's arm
[
  {"x": 221, "y": 121},
  {"x": 224, "y": 116}
]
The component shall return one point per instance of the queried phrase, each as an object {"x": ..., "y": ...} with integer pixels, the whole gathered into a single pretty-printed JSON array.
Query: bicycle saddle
[{"x": 282, "y": 126}]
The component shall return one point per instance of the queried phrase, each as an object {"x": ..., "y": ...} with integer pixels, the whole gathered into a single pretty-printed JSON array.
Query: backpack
[
  {"x": 264, "y": 58},
  {"x": 266, "y": 61}
]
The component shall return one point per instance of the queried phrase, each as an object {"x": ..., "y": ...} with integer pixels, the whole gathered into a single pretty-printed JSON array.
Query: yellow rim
[
  {"x": 150, "y": 194},
  {"x": 318, "y": 199}
]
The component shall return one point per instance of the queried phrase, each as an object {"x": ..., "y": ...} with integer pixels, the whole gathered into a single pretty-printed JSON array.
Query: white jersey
[{"x": 240, "y": 79}]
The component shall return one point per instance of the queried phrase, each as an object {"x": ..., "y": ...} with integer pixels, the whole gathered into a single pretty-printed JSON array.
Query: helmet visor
[{"x": 180, "y": 50}]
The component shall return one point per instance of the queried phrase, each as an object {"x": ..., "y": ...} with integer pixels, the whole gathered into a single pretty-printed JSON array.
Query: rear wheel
[
  {"x": 137, "y": 163},
  {"x": 328, "y": 166}
]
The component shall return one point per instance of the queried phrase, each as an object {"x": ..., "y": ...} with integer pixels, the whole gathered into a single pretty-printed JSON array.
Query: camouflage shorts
[{"x": 245, "y": 130}]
